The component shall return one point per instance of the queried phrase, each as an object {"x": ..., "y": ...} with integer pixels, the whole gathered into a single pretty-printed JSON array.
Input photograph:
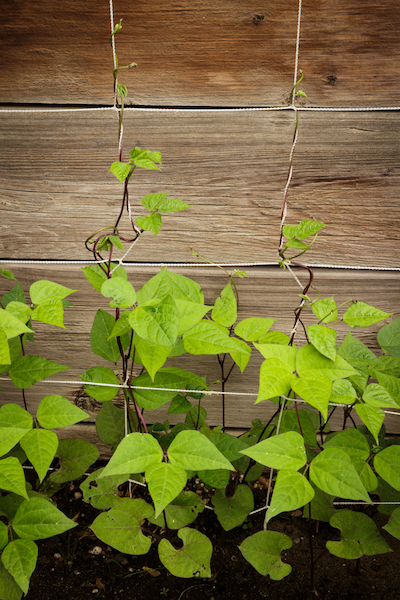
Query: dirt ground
[{"x": 68, "y": 567}]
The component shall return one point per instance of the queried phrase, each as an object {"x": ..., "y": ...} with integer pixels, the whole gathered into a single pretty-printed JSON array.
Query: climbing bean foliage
[{"x": 143, "y": 329}]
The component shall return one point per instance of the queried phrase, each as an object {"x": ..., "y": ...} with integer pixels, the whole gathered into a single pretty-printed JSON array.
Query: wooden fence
[{"x": 230, "y": 166}]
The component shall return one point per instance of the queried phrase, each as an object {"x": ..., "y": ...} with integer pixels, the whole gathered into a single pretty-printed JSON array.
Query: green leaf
[
  {"x": 19, "y": 558},
  {"x": 15, "y": 422},
  {"x": 6, "y": 274},
  {"x": 16, "y": 293},
  {"x": 101, "y": 375},
  {"x": 153, "y": 201},
  {"x": 27, "y": 370},
  {"x": 121, "y": 328},
  {"x": 135, "y": 453},
  {"x": 321, "y": 506},
  {"x": 310, "y": 363},
  {"x": 376, "y": 395},
  {"x": 275, "y": 379},
  {"x": 252, "y": 329},
  {"x": 182, "y": 511},
  {"x": 100, "y": 343},
  {"x": 323, "y": 339},
  {"x": 11, "y": 325},
  {"x": 371, "y": 417},
  {"x": 172, "y": 205},
  {"x": 52, "y": 313},
  {"x": 56, "y": 411},
  {"x": 289, "y": 422},
  {"x": 196, "y": 418},
  {"x": 150, "y": 223},
  {"x": 387, "y": 465},
  {"x": 20, "y": 310},
  {"x": 122, "y": 292},
  {"x": 120, "y": 170},
  {"x": 359, "y": 536},
  {"x": 9, "y": 589},
  {"x": 351, "y": 441},
  {"x": 75, "y": 458},
  {"x": 333, "y": 472},
  {"x": 193, "y": 560},
  {"x": 157, "y": 324},
  {"x": 38, "y": 519},
  {"x": 43, "y": 291},
  {"x": 168, "y": 377},
  {"x": 229, "y": 445},
  {"x": 190, "y": 313},
  {"x": 12, "y": 477},
  {"x": 191, "y": 450},
  {"x": 40, "y": 447},
  {"x": 389, "y": 365},
  {"x": 390, "y": 383},
  {"x": 165, "y": 482},
  {"x": 291, "y": 491},
  {"x": 225, "y": 307},
  {"x": 3, "y": 535},
  {"x": 121, "y": 526},
  {"x": 114, "y": 239},
  {"x": 167, "y": 283},
  {"x": 110, "y": 424},
  {"x": 366, "y": 474},
  {"x": 393, "y": 526},
  {"x": 325, "y": 309},
  {"x": 208, "y": 338},
  {"x": 240, "y": 358},
  {"x": 144, "y": 158},
  {"x": 342, "y": 392},
  {"x": 232, "y": 511},
  {"x": 263, "y": 551},
  {"x": 360, "y": 314},
  {"x": 179, "y": 405},
  {"x": 96, "y": 276},
  {"x": 152, "y": 356},
  {"x": 283, "y": 451},
  {"x": 275, "y": 337},
  {"x": 286, "y": 354},
  {"x": 102, "y": 493},
  {"x": 5, "y": 356},
  {"x": 387, "y": 494},
  {"x": 389, "y": 338},
  {"x": 214, "y": 478},
  {"x": 316, "y": 391},
  {"x": 303, "y": 230}
]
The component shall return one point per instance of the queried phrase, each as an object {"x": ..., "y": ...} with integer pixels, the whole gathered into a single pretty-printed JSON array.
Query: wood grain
[
  {"x": 265, "y": 292},
  {"x": 201, "y": 53},
  {"x": 55, "y": 188}
]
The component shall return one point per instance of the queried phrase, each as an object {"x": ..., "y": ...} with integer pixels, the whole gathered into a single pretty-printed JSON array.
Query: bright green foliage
[
  {"x": 11, "y": 325},
  {"x": 27, "y": 370},
  {"x": 208, "y": 338},
  {"x": 192, "y": 560},
  {"x": 325, "y": 310},
  {"x": 12, "y": 476},
  {"x": 52, "y": 313},
  {"x": 311, "y": 363},
  {"x": 291, "y": 491},
  {"x": 351, "y": 441},
  {"x": 169, "y": 377},
  {"x": 19, "y": 558},
  {"x": 232, "y": 511},
  {"x": 157, "y": 324},
  {"x": 275, "y": 379},
  {"x": 315, "y": 390},
  {"x": 120, "y": 290},
  {"x": 283, "y": 451},
  {"x": 253, "y": 329},
  {"x": 97, "y": 276},
  {"x": 99, "y": 337},
  {"x": 371, "y": 417},
  {"x": 9, "y": 588},
  {"x": 360, "y": 314},
  {"x": 387, "y": 465},
  {"x": 389, "y": 338},
  {"x": 135, "y": 453},
  {"x": 40, "y": 447},
  {"x": 56, "y": 411},
  {"x": 165, "y": 482},
  {"x": 342, "y": 392},
  {"x": 38, "y": 519},
  {"x": 323, "y": 339},
  {"x": 101, "y": 375},
  {"x": 376, "y": 395},
  {"x": 192, "y": 450},
  {"x": 263, "y": 551},
  {"x": 393, "y": 526},
  {"x": 43, "y": 291},
  {"x": 15, "y": 422},
  {"x": 359, "y": 536},
  {"x": 181, "y": 511},
  {"x": 225, "y": 307}
]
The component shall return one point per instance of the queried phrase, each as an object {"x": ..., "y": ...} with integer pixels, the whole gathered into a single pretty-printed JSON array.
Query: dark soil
[{"x": 68, "y": 569}]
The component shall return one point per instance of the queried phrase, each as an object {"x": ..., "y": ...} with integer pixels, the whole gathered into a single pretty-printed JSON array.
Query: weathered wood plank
[
  {"x": 266, "y": 292},
  {"x": 55, "y": 188},
  {"x": 208, "y": 52}
]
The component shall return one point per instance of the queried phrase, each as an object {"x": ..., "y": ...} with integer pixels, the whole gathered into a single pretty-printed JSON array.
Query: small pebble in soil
[
  {"x": 57, "y": 555},
  {"x": 77, "y": 495},
  {"x": 95, "y": 591},
  {"x": 96, "y": 550}
]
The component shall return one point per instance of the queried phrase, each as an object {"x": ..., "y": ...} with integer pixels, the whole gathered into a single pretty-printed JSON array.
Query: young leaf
[
  {"x": 165, "y": 482},
  {"x": 145, "y": 159},
  {"x": 263, "y": 551},
  {"x": 325, "y": 309},
  {"x": 157, "y": 324},
  {"x": 44, "y": 291},
  {"x": 389, "y": 338},
  {"x": 75, "y": 457},
  {"x": 135, "y": 453},
  {"x": 120, "y": 170},
  {"x": 150, "y": 223},
  {"x": 172, "y": 205},
  {"x": 387, "y": 465},
  {"x": 15, "y": 422},
  {"x": 252, "y": 329},
  {"x": 225, "y": 307},
  {"x": 303, "y": 230},
  {"x": 311, "y": 363},
  {"x": 342, "y": 392},
  {"x": 371, "y": 417},
  {"x": 12, "y": 477},
  {"x": 192, "y": 560},
  {"x": 152, "y": 356},
  {"x": 192, "y": 450},
  {"x": 56, "y": 411},
  {"x": 11, "y": 325},
  {"x": 38, "y": 519},
  {"x": 40, "y": 447},
  {"x": 190, "y": 313},
  {"x": 323, "y": 339},
  {"x": 153, "y": 201},
  {"x": 101, "y": 375},
  {"x": 182, "y": 511},
  {"x": 179, "y": 405},
  {"x": 27, "y": 370},
  {"x": 19, "y": 558},
  {"x": 283, "y": 451},
  {"x": 333, "y": 472},
  {"x": 20, "y": 310},
  {"x": 359, "y": 536},
  {"x": 291, "y": 491},
  {"x": 121, "y": 526},
  {"x": 376, "y": 395},
  {"x": 122, "y": 292},
  {"x": 97, "y": 276},
  {"x": 232, "y": 511},
  {"x": 360, "y": 314}
]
